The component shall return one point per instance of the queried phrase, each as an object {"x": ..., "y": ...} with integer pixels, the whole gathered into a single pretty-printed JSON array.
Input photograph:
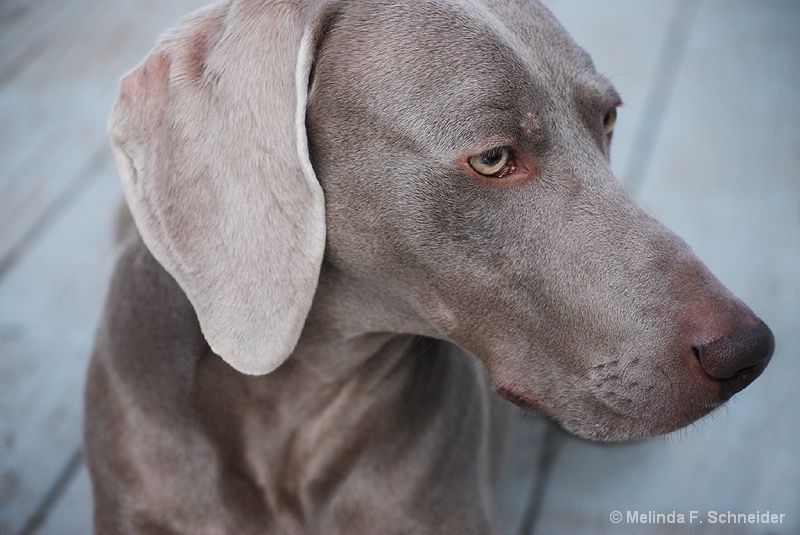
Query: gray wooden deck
[{"x": 709, "y": 141}]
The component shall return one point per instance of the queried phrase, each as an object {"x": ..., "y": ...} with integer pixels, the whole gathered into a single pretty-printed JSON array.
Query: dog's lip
[{"x": 520, "y": 400}]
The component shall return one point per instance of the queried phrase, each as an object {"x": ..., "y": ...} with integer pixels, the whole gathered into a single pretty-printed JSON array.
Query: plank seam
[
  {"x": 553, "y": 440},
  {"x": 55, "y": 493},
  {"x": 66, "y": 198},
  {"x": 669, "y": 61}
]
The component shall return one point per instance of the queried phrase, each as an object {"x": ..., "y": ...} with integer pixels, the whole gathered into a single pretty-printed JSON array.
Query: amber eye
[
  {"x": 491, "y": 162},
  {"x": 610, "y": 120}
]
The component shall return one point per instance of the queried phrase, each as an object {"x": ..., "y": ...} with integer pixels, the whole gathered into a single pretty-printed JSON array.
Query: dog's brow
[
  {"x": 614, "y": 97},
  {"x": 607, "y": 91},
  {"x": 598, "y": 89}
]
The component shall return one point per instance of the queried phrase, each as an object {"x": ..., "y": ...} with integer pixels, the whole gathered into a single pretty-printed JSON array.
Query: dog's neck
[{"x": 349, "y": 322}]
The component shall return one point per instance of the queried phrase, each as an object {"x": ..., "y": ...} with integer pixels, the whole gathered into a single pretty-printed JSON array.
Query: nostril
[
  {"x": 737, "y": 359},
  {"x": 750, "y": 372}
]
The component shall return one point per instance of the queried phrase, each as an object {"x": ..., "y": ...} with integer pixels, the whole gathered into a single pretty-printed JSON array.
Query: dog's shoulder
[{"x": 148, "y": 331}]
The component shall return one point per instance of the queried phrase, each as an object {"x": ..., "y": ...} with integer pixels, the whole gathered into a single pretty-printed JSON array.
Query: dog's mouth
[{"x": 519, "y": 400}]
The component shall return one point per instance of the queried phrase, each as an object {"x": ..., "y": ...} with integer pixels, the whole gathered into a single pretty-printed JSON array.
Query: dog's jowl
[{"x": 355, "y": 223}]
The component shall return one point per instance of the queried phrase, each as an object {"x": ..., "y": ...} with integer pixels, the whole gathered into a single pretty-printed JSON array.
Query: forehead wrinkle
[
  {"x": 481, "y": 14},
  {"x": 577, "y": 76},
  {"x": 487, "y": 67},
  {"x": 494, "y": 105},
  {"x": 486, "y": 85},
  {"x": 559, "y": 63}
]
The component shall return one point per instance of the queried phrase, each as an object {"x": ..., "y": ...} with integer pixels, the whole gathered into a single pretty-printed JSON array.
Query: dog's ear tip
[
  {"x": 250, "y": 360},
  {"x": 251, "y": 344},
  {"x": 255, "y": 368}
]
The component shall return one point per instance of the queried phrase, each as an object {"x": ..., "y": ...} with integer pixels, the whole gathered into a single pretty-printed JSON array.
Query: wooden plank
[
  {"x": 49, "y": 111},
  {"x": 725, "y": 175},
  {"x": 523, "y": 469},
  {"x": 27, "y": 28},
  {"x": 54, "y": 107},
  {"x": 49, "y": 306},
  {"x": 72, "y": 514},
  {"x": 58, "y": 191},
  {"x": 54, "y": 495}
]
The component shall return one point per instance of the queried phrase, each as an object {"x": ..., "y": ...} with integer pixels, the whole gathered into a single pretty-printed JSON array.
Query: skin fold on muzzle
[{"x": 353, "y": 221}]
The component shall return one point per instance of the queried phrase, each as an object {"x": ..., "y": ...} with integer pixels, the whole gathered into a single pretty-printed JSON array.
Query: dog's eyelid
[
  {"x": 516, "y": 167},
  {"x": 609, "y": 119}
]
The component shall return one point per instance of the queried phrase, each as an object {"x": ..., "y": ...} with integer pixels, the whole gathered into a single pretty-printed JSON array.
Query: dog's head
[{"x": 458, "y": 152}]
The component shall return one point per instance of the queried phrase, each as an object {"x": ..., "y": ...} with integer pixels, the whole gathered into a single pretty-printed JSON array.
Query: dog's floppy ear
[{"x": 209, "y": 137}]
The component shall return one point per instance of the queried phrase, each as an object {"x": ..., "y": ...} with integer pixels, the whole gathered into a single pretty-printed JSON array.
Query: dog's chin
[
  {"x": 617, "y": 428},
  {"x": 600, "y": 424}
]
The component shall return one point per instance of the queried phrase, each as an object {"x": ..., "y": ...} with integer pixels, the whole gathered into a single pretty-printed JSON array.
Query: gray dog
[{"x": 353, "y": 221}]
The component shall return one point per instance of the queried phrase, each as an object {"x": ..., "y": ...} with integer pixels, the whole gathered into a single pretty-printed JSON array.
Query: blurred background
[{"x": 708, "y": 140}]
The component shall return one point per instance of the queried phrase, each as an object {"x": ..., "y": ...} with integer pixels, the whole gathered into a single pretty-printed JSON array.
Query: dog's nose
[{"x": 737, "y": 359}]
